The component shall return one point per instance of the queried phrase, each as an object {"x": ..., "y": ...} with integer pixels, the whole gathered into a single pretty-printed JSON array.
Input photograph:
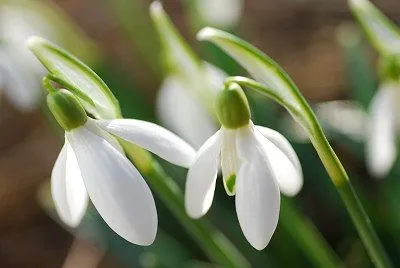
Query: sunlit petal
[
  {"x": 257, "y": 193},
  {"x": 283, "y": 160},
  {"x": 67, "y": 187},
  {"x": 152, "y": 137},
  {"x": 381, "y": 139},
  {"x": 115, "y": 187},
  {"x": 201, "y": 178}
]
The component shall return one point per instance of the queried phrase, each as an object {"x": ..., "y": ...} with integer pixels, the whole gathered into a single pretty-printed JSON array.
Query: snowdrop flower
[
  {"x": 381, "y": 143},
  {"x": 92, "y": 165},
  {"x": 382, "y": 131},
  {"x": 256, "y": 163},
  {"x": 19, "y": 69}
]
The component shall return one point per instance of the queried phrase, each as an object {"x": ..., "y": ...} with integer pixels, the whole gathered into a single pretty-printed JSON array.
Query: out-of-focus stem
[{"x": 307, "y": 236}]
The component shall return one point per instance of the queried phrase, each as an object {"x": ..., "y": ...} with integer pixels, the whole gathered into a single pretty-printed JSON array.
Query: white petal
[
  {"x": 381, "y": 140},
  {"x": 229, "y": 160},
  {"x": 257, "y": 193},
  {"x": 152, "y": 137},
  {"x": 115, "y": 187},
  {"x": 177, "y": 110},
  {"x": 201, "y": 178},
  {"x": 283, "y": 160},
  {"x": 67, "y": 187},
  {"x": 21, "y": 83}
]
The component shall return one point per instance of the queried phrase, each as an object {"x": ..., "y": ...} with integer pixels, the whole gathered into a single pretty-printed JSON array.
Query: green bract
[
  {"x": 232, "y": 107},
  {"x": 272, "y": 80},
  {"x": 66, "y": 109},
  {"x": 382, "y": 33},
  {"x": 71, "y": 73}
]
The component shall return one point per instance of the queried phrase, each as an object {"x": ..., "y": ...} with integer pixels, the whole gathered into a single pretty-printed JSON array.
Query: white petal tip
[
  {"x": 206, "y": 33},
  {"x": 73, "y": 223},
  {"x": 156, "y": 8},
  {"x": 293, "y": 189},
  {"x": 259, "y": 246},
  {"x": 34, "y": 41},
  {"x": 357, "y": 3},
  {"x": 145, "y": 242}
]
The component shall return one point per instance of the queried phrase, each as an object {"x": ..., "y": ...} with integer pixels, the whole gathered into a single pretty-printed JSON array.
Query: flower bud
[
  {"x": 389, "y": 67},
  {"x": 66, "y": 109},
  {"x": 232, "y": 107}
]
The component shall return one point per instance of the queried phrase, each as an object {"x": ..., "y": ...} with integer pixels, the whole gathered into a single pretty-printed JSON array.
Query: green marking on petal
[{"x": 230, "y": 184}]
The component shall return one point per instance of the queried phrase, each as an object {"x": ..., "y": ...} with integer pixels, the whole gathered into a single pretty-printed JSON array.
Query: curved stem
[
  {"x": 216, "y": 246},
  {"x": 307, "y": 237},
  {"x": 353, "y": 205}
]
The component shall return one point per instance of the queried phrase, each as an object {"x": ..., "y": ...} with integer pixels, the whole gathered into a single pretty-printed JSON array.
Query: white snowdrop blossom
[
  {"x": 381, "y": 150},
  {"x": 20, "y": 70},
  {"x": 256, "y": 163},
  {"x": 92, "y": 165}
]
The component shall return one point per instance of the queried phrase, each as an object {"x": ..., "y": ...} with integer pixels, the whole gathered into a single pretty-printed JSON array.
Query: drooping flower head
[
  {"x": 93, "y": 165},
  {"x": 256, "y": 163}
]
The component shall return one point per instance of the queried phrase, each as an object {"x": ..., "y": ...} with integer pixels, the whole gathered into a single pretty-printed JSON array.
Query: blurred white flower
[
  {"x": 92, "y": 164},
  {"x": 180, "y": 104},
  {"x": 256, "y": 163},
  {"x": 20, "y": 70},
  {"x": 382, "y": 129}
]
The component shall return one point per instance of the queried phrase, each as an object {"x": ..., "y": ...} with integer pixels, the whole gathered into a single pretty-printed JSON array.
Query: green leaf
[
  {"x": 271, "y": 78},
  {"x": 73, "y": 74},
  {"x": 382, "y": 32}
]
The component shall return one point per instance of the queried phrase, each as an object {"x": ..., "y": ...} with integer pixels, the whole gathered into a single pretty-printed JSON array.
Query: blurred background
[{"x": 317, "y": 42}]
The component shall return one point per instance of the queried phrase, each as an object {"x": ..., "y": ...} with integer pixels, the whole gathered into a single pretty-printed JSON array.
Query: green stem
[
  {"x": 353, "y": 205},
  {"x": 307, "y": 237},
  {"x": 216, "y": 246}
]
